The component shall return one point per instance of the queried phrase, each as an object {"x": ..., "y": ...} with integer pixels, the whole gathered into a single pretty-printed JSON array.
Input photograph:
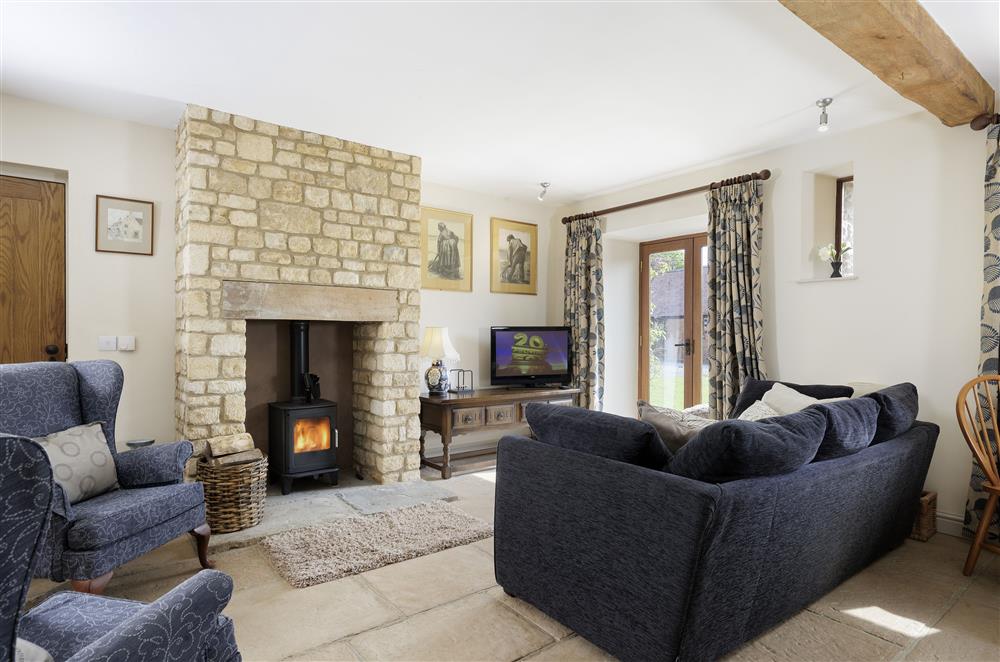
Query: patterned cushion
[
  {"x": 123, "y": 513},
  {"x": 81, "y": 461},
  {"x": 758, "y": 411},
  {"x": 37, "y": 399},
  {"x": 675, "y": 428},
  {"x": 68, "y": 621},
  {"x": 25, "y": 651},
  {"x": 733, "y": 449}
]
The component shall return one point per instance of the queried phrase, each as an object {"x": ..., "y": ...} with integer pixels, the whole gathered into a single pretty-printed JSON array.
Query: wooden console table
[{"x": 486, "y": 409}]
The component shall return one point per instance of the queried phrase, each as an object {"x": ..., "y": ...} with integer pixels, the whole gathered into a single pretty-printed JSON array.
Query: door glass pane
[
  {"x": 666, "y": 329},
  {"x": 701, "y": 326}
]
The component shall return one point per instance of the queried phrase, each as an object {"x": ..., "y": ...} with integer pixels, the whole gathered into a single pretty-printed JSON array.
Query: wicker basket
[
  {"x": 234, "y": 494},
  {"x": 925, "y": 525}
]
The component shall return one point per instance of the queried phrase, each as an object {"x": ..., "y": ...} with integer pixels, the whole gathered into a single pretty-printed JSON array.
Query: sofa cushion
[
  {"x": 850, "y": 427},
  {"x": 675, "y": 427},
  {"x": 734, "y": 449},
  {"x": 754, "y": 390},
  {"x": 898, "y": 406},
  {"x": 69, "y": 621},
  {"x": 37, "y": 399},
  {"x": 81, "y": 461},
  {"x": 117, "y": 515},
  {"x": 597, "y": 433}
]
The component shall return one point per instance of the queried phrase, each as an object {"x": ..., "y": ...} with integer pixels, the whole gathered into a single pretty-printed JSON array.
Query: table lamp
[{"x": 437, "y": 347}]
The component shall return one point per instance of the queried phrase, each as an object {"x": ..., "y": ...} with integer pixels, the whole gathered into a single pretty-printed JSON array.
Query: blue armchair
[
  {"x": 185, "y": 624},
  {"x": 87, "y": 540}
]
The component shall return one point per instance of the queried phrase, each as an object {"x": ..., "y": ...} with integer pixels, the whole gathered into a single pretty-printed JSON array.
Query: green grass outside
[{"x": 658, "y": 397}]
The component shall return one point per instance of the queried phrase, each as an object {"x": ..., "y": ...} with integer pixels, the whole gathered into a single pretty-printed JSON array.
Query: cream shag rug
[{"x": 322, "y": 553}]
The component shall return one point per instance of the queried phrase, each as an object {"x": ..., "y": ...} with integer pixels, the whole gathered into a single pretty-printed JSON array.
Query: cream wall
[
  {"x": 107, "y": 293},
  {"x": 469, "y": 315},
  {"x": 911, "y": 315}
]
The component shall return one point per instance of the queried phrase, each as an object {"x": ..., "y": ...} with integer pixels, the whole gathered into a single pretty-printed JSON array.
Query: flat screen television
[{"x": 530, "y": 355}]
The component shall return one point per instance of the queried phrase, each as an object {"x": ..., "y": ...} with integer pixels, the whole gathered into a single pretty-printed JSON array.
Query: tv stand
[{"x": 499, "y": 409}]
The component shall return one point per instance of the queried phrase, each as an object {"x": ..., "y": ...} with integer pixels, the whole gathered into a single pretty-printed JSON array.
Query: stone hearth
[{"x": 277, "y": 223}]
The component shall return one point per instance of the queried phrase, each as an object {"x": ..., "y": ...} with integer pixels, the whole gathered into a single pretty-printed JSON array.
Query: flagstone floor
[{"x": 914, "y": 604}]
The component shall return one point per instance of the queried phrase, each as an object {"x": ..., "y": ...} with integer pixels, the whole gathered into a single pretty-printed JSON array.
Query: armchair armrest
[
  {"x": 602, "y": 546},
  {"x": 60, "y": 502},
  {"x": 159, "y": 464},
  {"x": 178, "y": 626}
]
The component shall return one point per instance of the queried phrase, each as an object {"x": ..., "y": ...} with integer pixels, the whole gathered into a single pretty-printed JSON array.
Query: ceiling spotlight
[
  {"x": 545, "y": 189},
  {"x": 824, "y": 119}
]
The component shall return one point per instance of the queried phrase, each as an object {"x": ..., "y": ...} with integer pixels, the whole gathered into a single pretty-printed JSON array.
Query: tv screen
[{"x": 530, "y": 355}]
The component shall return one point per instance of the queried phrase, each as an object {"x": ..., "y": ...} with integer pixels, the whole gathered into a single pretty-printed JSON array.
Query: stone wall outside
[{"x": 261, "y": 202}]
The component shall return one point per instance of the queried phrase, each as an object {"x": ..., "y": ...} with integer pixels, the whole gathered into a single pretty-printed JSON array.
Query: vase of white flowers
[{"x": 829, "y": 253}]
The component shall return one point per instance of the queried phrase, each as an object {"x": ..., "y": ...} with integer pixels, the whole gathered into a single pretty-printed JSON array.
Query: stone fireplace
[{"x": 275, "y": 223}]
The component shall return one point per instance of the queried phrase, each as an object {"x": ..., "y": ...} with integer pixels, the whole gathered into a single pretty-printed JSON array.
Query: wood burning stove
[{"x": 303, "y": 430}]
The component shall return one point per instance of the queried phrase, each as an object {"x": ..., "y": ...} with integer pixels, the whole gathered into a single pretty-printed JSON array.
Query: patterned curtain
[
  {"x": 583, "y": 307},
  {"x": 735, "y": 317},
  {"x": 989, "y": 361}
]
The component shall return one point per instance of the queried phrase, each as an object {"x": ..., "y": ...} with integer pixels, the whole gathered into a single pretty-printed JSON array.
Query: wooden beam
[{"x": 899, "y": 42}]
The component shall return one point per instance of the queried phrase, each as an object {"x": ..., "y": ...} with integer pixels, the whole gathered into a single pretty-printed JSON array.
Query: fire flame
[{"x": 312, "y": 434}]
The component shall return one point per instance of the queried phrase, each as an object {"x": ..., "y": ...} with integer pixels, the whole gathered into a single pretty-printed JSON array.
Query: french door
[{"x": 673, "y": 317}]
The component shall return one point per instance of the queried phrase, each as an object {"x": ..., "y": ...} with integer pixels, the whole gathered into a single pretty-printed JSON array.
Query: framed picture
[
  {"x": 124, "y": 226},
  {"x": 446, "y": 250},
  {"x": 513, "y": 257}
]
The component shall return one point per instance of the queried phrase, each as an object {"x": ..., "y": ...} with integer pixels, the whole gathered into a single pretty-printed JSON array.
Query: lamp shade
[{"x": 437, "y": 344}]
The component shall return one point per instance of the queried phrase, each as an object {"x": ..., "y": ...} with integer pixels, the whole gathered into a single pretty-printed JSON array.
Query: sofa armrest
[
  {"x": 178, "y": 626},
  {"x": 607, "y": 548},
  {"x": 159, "y": 464}
]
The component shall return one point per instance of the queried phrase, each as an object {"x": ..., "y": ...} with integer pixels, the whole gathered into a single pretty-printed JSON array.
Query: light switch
[
  {"x": 126, "y": 343},
  {"x": 107, "y": 343}
]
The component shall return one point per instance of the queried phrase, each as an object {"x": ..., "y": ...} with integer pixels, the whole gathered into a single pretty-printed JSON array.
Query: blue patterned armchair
[
  {"x": 87, "y": 540},
  {"x": 185, "y": 624}
]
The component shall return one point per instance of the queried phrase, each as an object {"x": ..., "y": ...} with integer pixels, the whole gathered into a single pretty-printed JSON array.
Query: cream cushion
[
  {"x": 81, "y": 461},
  {"x": 25, "y": 651},
  {"x": 786, "y": 400}
]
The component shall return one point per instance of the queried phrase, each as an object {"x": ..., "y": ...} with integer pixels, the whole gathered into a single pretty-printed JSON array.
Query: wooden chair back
[{"x": 977, "y": 417}]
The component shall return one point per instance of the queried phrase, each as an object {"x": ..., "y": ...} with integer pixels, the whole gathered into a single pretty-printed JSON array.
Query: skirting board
[{"x": 950, "y": 524}]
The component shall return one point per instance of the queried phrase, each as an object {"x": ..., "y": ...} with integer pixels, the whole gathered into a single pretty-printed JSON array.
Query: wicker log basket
[
  {"x": 234, "y": 494},
  {"x": 925, "y": 524}
]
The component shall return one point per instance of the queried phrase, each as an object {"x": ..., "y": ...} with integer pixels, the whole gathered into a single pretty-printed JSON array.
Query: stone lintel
[{"x": 293, "y": 301}]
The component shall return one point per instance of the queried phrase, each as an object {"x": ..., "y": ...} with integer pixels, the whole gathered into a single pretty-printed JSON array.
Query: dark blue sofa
[{"x": 653, "y": 566}]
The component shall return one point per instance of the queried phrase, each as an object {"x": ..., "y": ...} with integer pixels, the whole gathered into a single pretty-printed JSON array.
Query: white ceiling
[
  {"x": 975, "y": 29},
  {"x": 495, "y": 97}
]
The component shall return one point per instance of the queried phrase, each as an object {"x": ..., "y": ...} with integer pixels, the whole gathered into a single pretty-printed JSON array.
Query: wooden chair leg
[
  {"x": 94, "y": 586},
  {"x": 201, "y": 536},
  {"x": 981, "y": 531}
]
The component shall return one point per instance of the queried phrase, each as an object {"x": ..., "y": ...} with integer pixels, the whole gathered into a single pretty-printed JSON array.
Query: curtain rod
[
  {"x": 763, "y": 174},
  {"x": 980, "y": 122}
]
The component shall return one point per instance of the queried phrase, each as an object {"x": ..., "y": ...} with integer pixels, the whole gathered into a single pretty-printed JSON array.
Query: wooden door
[
  {"x": 32, "y": 270},
  {"x": 673, "y": 371}
]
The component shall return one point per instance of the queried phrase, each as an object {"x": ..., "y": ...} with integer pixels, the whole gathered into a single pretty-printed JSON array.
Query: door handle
[
  {"x": 686, "y": 345},
  {"x": 52, "y": 350}
]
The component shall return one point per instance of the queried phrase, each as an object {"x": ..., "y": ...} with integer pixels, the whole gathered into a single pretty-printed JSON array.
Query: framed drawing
[
  {"x": 124, "y": 226},
  {"x": 513, "y": 257},
  {"x": 446, "y": 250}
]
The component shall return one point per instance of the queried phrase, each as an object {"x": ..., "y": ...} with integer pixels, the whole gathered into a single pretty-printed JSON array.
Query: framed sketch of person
[
  {"x": 513, "y": 257},
  {"x": 446, "y": 250},
  {"x": 124, "y": 226}
]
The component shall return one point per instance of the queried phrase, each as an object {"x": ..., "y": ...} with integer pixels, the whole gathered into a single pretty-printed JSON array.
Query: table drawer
[
  {"x": 563, "y": 403},
  {"x": 501, "y": 414},
  {"x": 467, "y": 417}
]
